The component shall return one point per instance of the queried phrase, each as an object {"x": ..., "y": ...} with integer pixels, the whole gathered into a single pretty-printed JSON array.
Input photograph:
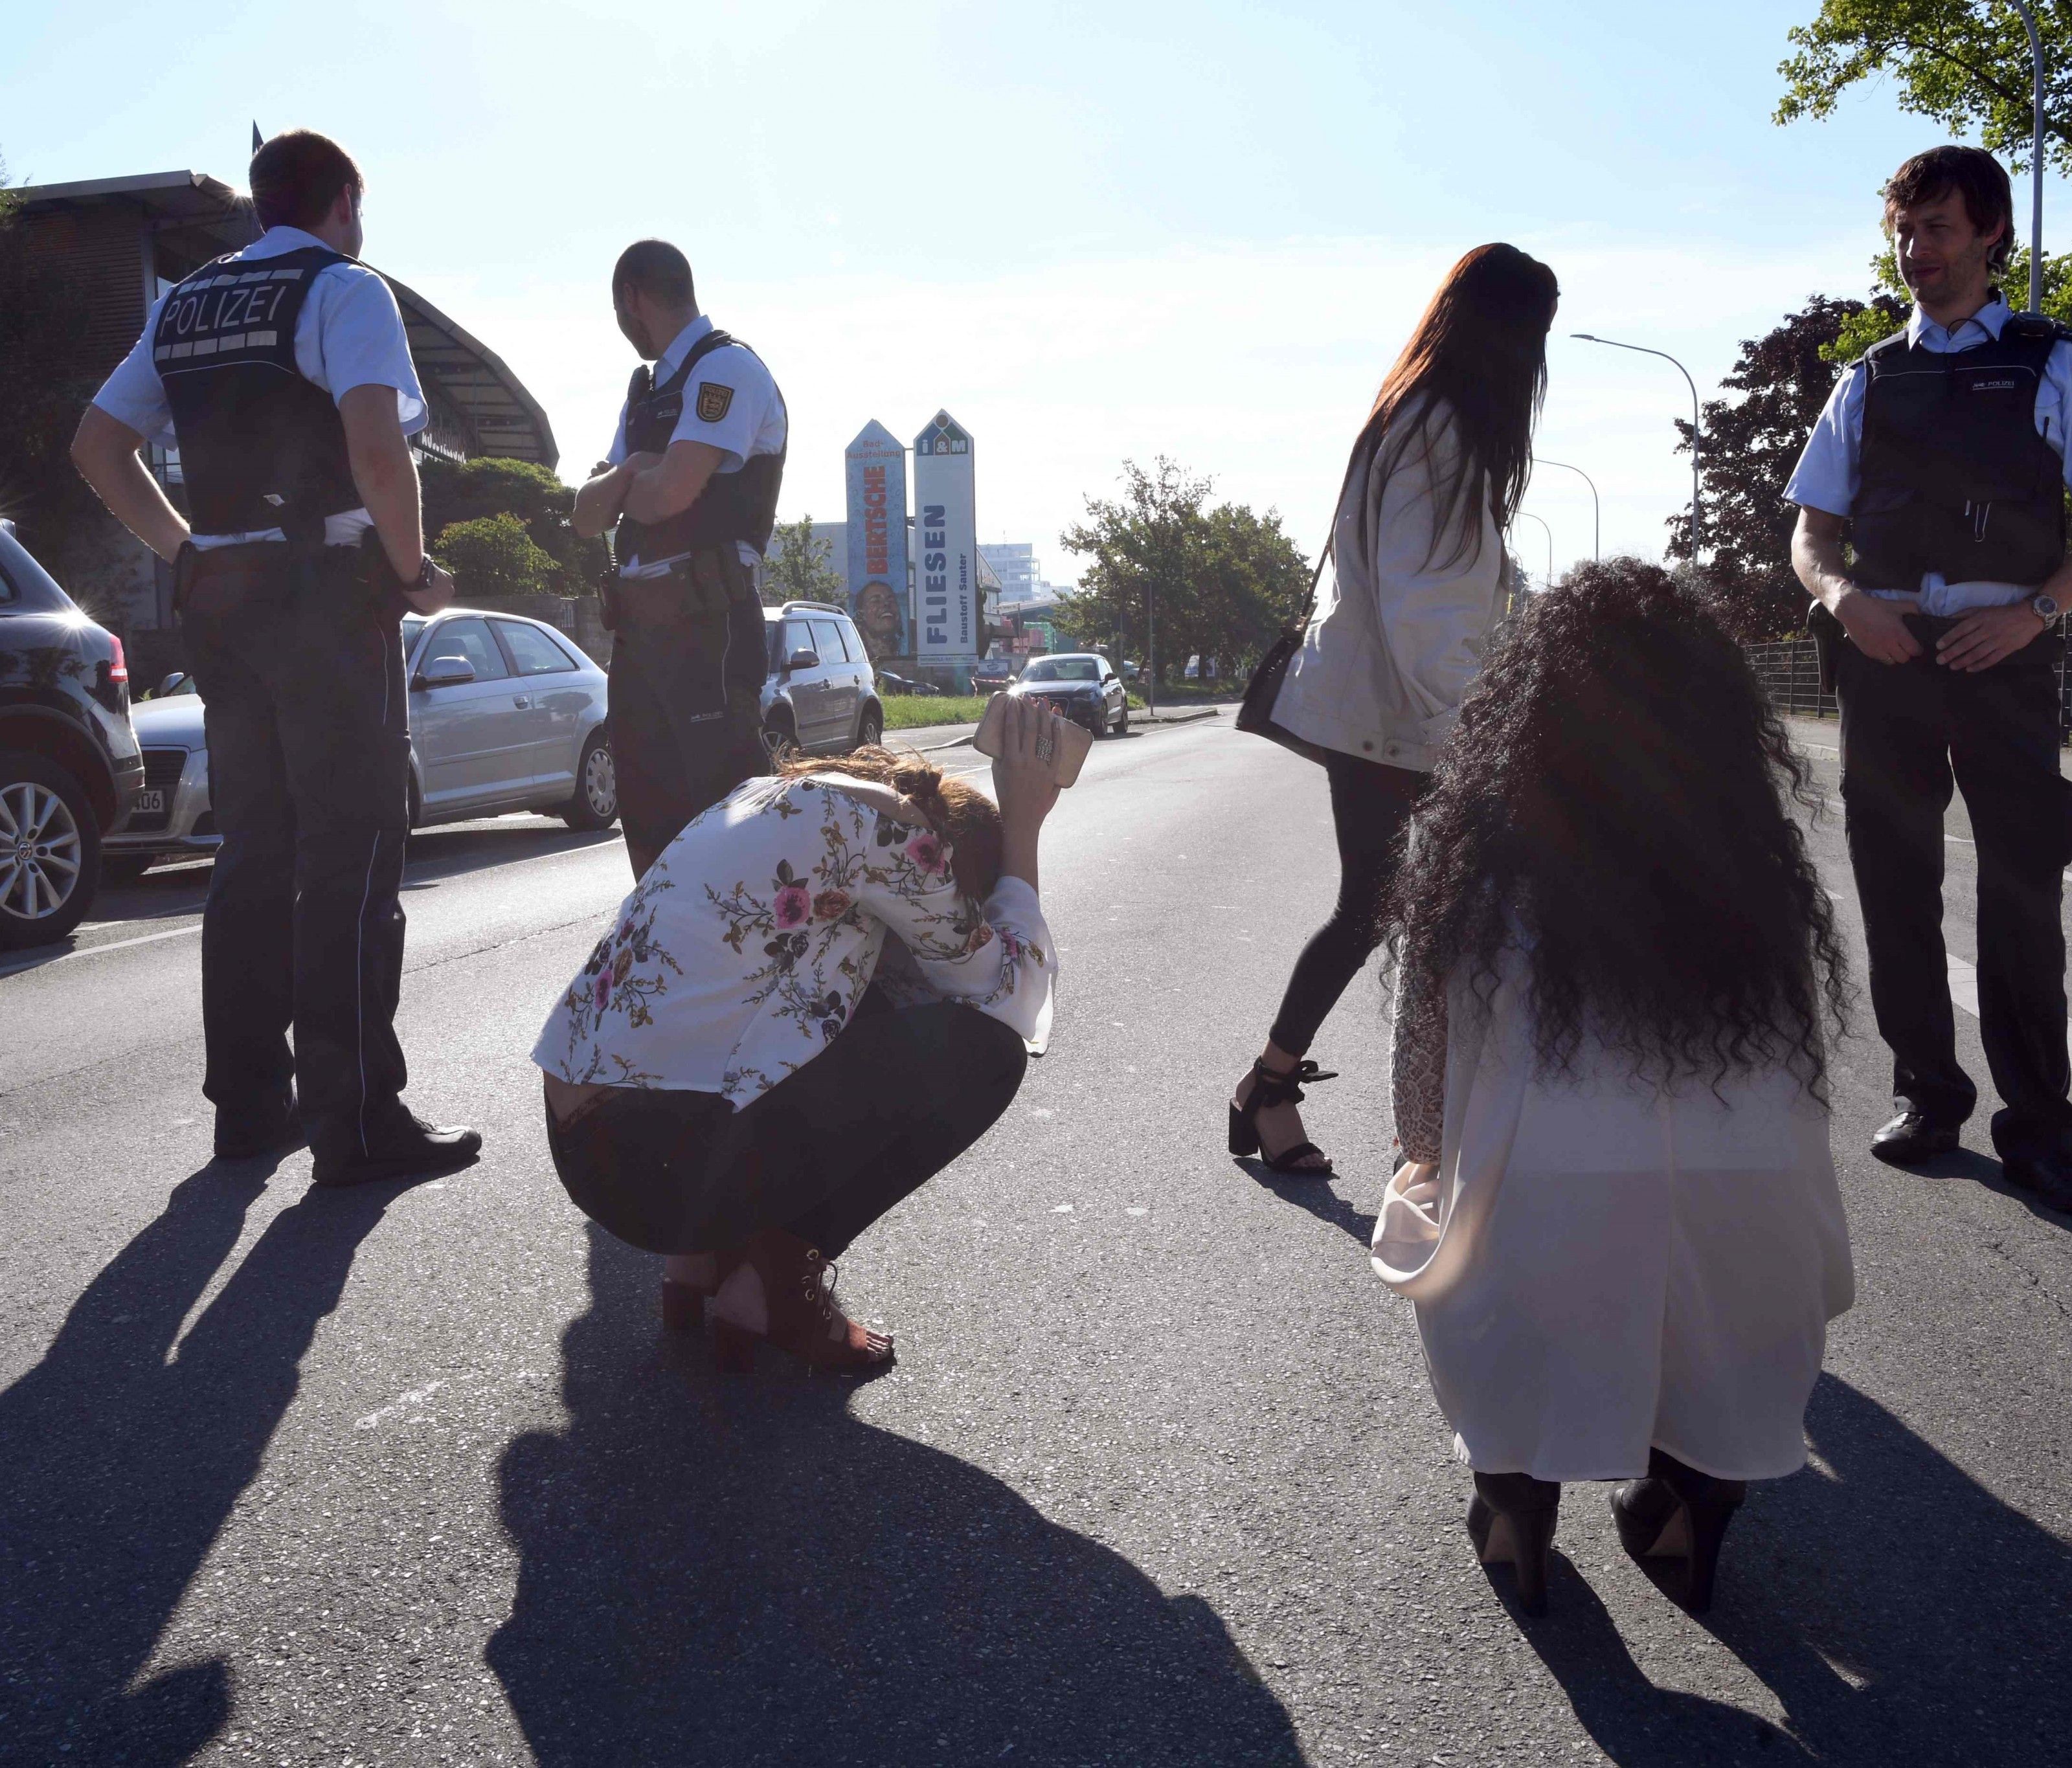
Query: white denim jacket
[{"x": 1398, "y": 635}]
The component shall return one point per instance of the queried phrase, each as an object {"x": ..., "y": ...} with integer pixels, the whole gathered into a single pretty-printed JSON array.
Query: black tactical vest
[
  {"x": 1954, "y": 477},
  {"x": 737, "y": 506},
  {"x": 261, "y": 446}
]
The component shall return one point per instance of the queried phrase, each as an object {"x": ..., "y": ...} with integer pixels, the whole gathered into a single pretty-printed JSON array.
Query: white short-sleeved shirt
[
  {"x": 1827, "y": 477},
  {"x": 350, "y": 334},
  {"x": 752, "y": 419}
]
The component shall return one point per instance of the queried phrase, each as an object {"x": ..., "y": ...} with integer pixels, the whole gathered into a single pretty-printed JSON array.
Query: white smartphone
[{"x": 1074, "y": 741}]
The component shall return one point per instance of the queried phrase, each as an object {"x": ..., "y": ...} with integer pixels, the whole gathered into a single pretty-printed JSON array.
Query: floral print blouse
[{"x": 743, "y": 952}]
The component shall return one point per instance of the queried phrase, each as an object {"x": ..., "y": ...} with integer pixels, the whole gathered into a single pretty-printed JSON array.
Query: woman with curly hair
[
  {"x": 1617, "y": 1216},
  {"x": 1435, "y": 477},
  {"x": 817, "y": 996}
]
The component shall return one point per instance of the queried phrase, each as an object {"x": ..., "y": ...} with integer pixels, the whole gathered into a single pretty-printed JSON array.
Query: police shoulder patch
[{"x": 714, "y": 402}]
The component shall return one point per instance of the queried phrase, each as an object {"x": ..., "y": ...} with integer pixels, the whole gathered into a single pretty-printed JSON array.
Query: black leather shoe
[
  {"x": 1911, "y": 1138},
  {"x": 2047, "y": 1173},
  {"x": 276, "y": 1132},
  {"x": 416, "y": 1150}
]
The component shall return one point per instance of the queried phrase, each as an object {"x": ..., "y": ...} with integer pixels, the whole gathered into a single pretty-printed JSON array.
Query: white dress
[{"x": 1599, "y": 1265}]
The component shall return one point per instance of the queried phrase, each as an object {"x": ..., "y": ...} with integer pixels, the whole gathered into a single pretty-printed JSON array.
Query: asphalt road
[{"x": 406, "y": 1476}]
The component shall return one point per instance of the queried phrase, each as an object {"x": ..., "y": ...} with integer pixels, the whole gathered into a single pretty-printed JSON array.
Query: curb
[{"x": 1169, "y": 718}]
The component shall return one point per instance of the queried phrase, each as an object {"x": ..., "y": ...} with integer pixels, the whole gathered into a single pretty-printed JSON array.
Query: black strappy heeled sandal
[{"x": 1269, "y": 1086}]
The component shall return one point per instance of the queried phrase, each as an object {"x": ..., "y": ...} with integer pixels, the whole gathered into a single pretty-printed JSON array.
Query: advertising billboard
[
  {"x": 945, "y": 594},
  {"x": 878, "y": 593}
]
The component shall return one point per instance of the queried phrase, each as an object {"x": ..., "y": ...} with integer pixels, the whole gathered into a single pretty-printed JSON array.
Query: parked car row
[
  {"x": 69, "y": 761},
  {"x": 506, "y": 715}
]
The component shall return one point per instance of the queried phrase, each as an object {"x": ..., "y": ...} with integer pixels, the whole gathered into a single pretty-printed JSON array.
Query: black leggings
[
  {"x": 1370, "y": 805},
  {"x": 828, "y": 1150}
]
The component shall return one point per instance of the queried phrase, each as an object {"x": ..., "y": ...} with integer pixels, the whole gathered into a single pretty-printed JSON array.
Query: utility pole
[
  {"x": 2035, "y": 158},
  {"x": 1596, "y": 510},
  {"x": 1643, "y": 349}
]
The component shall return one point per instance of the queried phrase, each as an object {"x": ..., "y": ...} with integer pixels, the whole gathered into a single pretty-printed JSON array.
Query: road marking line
[
  {"x": 91, "y": 951},
  {"x": 1963, "y": 984}
]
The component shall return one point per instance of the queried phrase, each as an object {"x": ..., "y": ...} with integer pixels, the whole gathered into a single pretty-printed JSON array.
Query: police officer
[
  {"x": 691, "y": 483},
  {"x": 282, "y": 374},
  {"x": 1940, "y": 459}
]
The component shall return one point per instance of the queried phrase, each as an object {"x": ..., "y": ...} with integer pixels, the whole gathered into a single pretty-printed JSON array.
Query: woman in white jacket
[
  {"x": 1617, "y": 1217},
  {"x": 1435, "y": 477}
]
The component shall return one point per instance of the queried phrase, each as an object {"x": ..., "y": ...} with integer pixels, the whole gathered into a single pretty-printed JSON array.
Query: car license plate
[{"x": 151, "y": 800}]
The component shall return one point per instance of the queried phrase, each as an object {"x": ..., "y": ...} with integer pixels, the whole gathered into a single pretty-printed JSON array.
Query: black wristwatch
[
  {"x": 2043, "y": 607},
  {"x": 423, "y": 579}
]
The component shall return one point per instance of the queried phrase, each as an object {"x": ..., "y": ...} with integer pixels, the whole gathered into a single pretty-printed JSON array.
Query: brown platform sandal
[{"x": 798, "y": 1298}]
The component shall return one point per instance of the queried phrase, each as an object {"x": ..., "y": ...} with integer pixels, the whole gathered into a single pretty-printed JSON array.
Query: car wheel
[
  {"x": 1122, "y": 721},
  {"x": 780, "y": 733},
  {"x": 414, "y": 802},
  {"x": 50, "y": 851},
  {"x": 870, "y": 727},
  {"x": 595, "y": 804},
  {"x": 117, "y": 870}
]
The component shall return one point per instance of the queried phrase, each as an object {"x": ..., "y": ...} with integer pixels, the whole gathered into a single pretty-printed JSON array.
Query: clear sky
[{"x": 1090, "y": 230}]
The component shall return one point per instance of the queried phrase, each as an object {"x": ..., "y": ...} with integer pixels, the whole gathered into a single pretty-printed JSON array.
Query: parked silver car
[
  {"x": 505, "y": 715},
  {"x": 821, "y": 693}
]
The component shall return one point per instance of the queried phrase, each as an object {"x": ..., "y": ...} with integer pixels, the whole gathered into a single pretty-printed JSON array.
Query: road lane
[{"x": 407, "y": 1477}]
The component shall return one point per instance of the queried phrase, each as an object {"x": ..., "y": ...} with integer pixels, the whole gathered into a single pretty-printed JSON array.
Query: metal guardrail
[{"x": 1790, "y": 672}]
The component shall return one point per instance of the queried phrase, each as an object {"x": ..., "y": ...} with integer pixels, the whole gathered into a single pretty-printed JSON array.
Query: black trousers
[
  {"x": 1909, "y": 731},
  {"x": 1370, "y": 804},
  {"x": 893, "y": 1100},
  {"x": 686, "y": 708},
  {"x": 308, "y": 727}
]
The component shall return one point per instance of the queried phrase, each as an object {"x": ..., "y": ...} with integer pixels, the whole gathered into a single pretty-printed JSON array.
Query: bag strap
[{"x": 1331, "y": 538}]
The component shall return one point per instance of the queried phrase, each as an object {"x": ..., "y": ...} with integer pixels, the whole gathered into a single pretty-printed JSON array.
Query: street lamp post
[
  {"x": 1693, "y": 385},
  {"x": 2035, "y": 158},
  {"x": 1596, "y": 511},
  {"x": 1542, "y": 520}
]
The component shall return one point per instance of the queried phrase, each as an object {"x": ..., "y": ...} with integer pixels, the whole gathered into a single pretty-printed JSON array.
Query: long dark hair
[
  {"x": 1613, "y": 803},
  {"x": 1478, "y": 354}
]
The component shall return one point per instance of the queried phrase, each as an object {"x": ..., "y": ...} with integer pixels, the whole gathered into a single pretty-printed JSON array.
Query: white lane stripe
[
  {"x": 95, "y": 950},
  {"x": 1963, "y": 984}
]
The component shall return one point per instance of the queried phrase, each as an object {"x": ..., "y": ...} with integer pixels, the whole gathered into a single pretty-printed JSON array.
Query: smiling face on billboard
[{"x": 877, "y": 614}]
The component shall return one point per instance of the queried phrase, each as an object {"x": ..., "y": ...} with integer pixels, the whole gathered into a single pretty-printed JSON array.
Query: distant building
[
  {"x": 1015, "y": 563},
  {"x": 125, "y": 241}
]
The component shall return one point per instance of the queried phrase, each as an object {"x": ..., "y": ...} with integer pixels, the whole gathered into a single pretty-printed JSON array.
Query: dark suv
[
  {"x": 821, "y": 693},
  {"x": 69, "y": 764}
]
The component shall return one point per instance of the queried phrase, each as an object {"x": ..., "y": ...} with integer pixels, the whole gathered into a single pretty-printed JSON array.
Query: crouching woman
[
  {"x": 1618, "y": 1218},
  {"x": 821, "y": 994}
]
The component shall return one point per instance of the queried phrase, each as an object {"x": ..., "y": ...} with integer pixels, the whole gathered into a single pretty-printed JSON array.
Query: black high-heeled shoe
[
  {"x": 1677, "y": 1512},
  {"x": 1511, "y": 1517},
  {"x": 1271, "y": 1087}
]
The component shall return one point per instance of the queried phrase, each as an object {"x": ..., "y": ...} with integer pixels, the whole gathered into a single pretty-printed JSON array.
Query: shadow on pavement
[
  {"x": 1898, "y": 1611},
  {"x": 1315, "y": 1195},
  {"x": 120, "y": 1461},
  {"x": 737, "y": 1570}
]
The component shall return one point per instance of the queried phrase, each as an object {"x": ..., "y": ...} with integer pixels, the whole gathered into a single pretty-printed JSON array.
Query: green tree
[
  {"x": 461, "y": 493},
  {"x": 1751, "y": 443},
  {"x": 1172, "y": 576},
  {"x": 800, "y": 567},
  {"x": 1964, "y": 63},
  {"x": 494, "y": 555}
]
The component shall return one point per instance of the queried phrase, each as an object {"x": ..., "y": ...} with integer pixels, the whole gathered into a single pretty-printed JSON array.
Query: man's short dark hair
[
  {"x": 657, "y": 269},
  {"x": 1975, "y": 174},
  {"x": 297, "y": 176}
]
